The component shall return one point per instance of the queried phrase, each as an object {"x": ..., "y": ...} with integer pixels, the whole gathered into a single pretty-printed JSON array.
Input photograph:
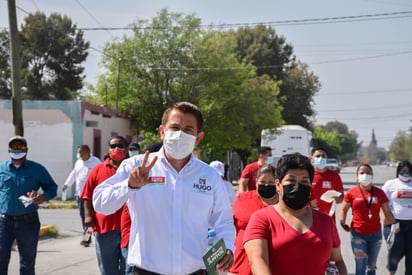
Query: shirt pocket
[
  {"x": 200, "y": 204},
  {"x": 6, "y": 181}
]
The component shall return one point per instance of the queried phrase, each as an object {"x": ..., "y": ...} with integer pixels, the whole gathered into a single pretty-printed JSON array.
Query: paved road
[{"x": 65, "y": 256}]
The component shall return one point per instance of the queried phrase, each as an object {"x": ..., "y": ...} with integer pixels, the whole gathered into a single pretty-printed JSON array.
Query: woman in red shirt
[
  {"x": 245, "y": 204},
  {"x": 366, "y": 202}
]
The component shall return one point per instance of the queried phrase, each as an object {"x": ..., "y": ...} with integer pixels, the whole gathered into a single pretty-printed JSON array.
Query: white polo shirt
[
  {"x": 170, "y": 215},
  {"x": 80, "y": 173}
]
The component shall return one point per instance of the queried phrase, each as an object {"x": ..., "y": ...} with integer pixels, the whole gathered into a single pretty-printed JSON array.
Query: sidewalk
[{"x": 61, "y": 256}]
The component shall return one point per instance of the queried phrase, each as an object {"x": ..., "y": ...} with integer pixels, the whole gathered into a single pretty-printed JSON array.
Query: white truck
[{"x": 287, "y": 139}]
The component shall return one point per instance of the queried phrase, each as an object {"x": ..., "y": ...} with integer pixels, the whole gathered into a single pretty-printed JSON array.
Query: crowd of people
[{"x": 280, "y": 211}]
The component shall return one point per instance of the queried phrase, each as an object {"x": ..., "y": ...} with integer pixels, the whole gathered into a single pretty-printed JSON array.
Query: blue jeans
[
  {"x": 128, "y": 268},
  {"x": 109, "y": 256},
  {"x": 402, "y": 246},
  {"x": 366, "y": 248},
  {"x": 26, "y": 234},
  {"x": 80, "y": 205}
]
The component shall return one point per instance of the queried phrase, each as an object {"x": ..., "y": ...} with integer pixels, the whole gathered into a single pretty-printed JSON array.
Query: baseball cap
[
  {"x": 17, "y": 138},
  {"x": 219, "y": 167},
  {"x": 134, "y": 146}
]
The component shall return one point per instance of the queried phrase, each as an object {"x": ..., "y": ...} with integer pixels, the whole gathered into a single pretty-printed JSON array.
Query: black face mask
[
  {"x": 266, "y": 191},
  {"x": 296, "y": 196}
]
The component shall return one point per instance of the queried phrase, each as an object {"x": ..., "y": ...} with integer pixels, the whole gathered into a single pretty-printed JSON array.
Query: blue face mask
[
  {"x": 133, "y": 153},
  {"x": 320, "y": 163},
  {"x": 269, "y": 160}
]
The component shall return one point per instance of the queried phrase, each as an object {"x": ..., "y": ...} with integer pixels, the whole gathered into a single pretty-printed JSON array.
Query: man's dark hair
[
  {"x": 402, "y": 164},
  {"x": 264, "y": 150},
  {"x": 84, "y": 148},
  {"x": 124, "y": 141},
  {"x": 317, "y": 149},
  {"x": 154, "y": 147},
  {"x": 186, "y": 108},
  {"x": 291, "y": 162}
]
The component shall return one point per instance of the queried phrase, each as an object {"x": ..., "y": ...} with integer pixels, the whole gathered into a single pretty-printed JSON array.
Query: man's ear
[
  {"x": 161, "y": 132},
  {"x": 199, "y": 137}
]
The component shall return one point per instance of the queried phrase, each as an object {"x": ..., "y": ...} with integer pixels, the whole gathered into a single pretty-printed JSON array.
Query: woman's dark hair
[
  {"x": 291, "y": 162},
  {"x": 402, "y": 164},
  {"x": 364, "y": 165},
  {"x": 267, "y": 169}
]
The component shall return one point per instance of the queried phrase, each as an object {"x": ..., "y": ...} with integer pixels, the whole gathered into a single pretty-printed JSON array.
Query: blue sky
[{"x": 364, "y": 66}]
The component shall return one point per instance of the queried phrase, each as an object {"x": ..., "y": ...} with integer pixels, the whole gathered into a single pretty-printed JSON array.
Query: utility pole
[{"x": 15, "y": 70}]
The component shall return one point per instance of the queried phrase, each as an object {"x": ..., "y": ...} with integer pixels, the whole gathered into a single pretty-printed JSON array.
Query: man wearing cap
[
  {"x": 19, "y": 181},
  {"x": 220, "y": 169},
  {"x": 134, "y": 149}
]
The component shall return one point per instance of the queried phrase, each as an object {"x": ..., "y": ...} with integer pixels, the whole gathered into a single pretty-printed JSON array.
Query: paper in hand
[
  {"x": 328, "y": 196},
  {"x": 391, "y": 237},
  {"x": 26, "y": 200}
]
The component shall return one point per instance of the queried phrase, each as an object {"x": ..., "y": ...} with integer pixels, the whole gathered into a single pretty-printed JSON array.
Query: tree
[
  {"x": 336, "y": 138},
  {"x": 5, "y": 73},
  {"x": 52, "y": 50},
  {"x": 170, "y": 59},
  {"x": 397, "y": 149},
  {"x": 272, "y": 56}
]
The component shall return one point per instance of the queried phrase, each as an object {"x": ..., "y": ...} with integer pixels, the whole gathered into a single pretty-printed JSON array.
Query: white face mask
[
  {"x": 365, "y": 179},
  {"x": 78, "y": 156},
  {"x": 17, "y": 155},
  {"x": 404, "y": 178},
  {"x": 178, "y": 144}
]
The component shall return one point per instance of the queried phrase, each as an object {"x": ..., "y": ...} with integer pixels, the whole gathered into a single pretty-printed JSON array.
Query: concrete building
[{"x": 54, "y": 130}]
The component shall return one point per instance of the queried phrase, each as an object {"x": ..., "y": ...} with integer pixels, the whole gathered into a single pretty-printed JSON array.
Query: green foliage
[
  {"x": 52, "y": 50},
  {"x": 273, "y": 57},
  {"x": 337, "y": 140},
  {"x": 401, "y": 146},
  {"x": 169, "y": 60}
]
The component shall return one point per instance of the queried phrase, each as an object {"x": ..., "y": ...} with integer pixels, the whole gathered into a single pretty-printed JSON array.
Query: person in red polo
[
  {"x": 106, "y": 227},
  {"x": 247, "y": 181},
  {"x": 323, "y": 181}
]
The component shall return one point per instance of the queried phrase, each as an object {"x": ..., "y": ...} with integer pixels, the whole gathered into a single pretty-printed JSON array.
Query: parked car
[{"x": 333, "y": 164}]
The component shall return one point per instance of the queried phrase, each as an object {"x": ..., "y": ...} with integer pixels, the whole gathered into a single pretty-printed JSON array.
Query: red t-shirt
[
  {"x": 102, "y": 223},
  {"x": 245, "y": 204},
  {"x": 250, "y": 172},
  {"x": 322, "y": 182},
  {"x": 360, "y": 211},
  {"x": 125, "y": 223},
  {"x": 291, "y": 252}
]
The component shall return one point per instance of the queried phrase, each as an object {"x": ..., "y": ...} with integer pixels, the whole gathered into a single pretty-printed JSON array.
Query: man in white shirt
[
  {"x": 172, "y": 198},
  {"x": 82, "y": 167}
]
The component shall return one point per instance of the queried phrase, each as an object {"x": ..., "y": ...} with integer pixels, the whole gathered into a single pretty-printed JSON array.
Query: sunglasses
[
  {"x": 18, "y": 147},
  {"x": 117, "y": 145}
]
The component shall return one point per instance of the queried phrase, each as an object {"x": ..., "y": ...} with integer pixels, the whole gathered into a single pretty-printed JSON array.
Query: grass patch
[
  {"x": 49, "y": 230},
  {"x": 54, "y": 204}
]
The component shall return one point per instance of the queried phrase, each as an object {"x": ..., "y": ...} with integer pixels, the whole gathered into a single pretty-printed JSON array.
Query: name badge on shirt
[
  {"x": 157, "y": 180},
  {"x": 326, "y": 184}
]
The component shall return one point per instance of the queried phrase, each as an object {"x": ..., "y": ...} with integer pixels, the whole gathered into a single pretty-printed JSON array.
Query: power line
[
  {"x": 337, "y": 19},
  {"x": 368, "y": 92},
  {"x": 92, "y": 16},
  {"x": 364, "y": 109}
]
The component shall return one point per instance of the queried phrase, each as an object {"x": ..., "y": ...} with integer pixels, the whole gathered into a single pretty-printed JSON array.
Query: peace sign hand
[{"x": 138, "y": 177}]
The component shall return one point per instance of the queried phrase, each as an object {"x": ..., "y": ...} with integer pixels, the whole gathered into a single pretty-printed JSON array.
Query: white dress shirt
[
  {"x": 170, "y": 215},
  {"x": 80, "y": 172}
]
